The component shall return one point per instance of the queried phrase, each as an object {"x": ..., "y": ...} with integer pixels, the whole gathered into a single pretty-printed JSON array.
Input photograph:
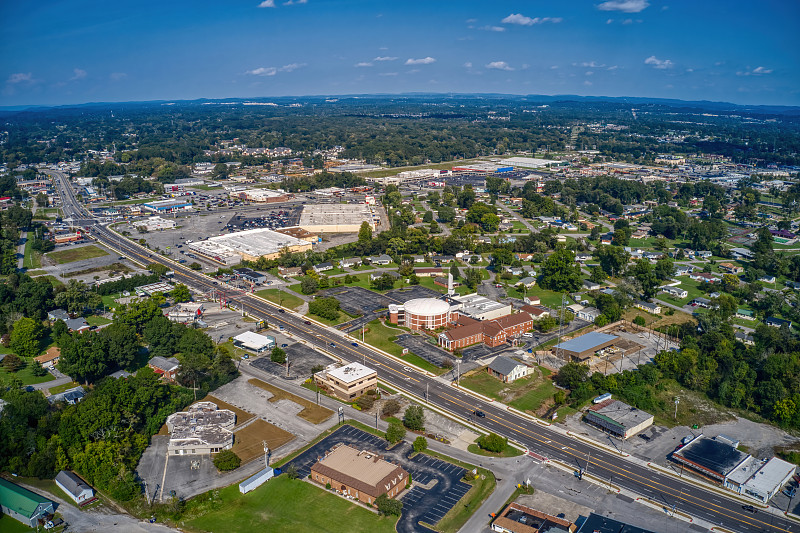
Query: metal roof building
[
  {"x": 585, "y": 346},
  {"x": 256, "y": 480},
  {"x": 715, "y": 457},
  {"x": 618, "y": 418},
  {"x": 23, "y": 505}
]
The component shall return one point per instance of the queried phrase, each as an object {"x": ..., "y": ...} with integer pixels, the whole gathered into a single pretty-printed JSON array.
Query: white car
[
  {"x": 407, "y": 369},
  {"x": 527, "y": 334}
]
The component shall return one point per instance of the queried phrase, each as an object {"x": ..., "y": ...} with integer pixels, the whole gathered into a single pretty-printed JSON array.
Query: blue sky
[{"x": 88, "y": 51}]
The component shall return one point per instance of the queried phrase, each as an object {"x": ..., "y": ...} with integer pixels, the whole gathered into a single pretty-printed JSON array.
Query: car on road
[
  {"x": 281, "y": 310},
  {"x": 284, "y": 345},
  {"x": 407, "y": 369},
  {"x": 479, "y": 414},
  {"x": 354, "y": 344},
  {"x": 527, "y": 334},
  {"x": 749, "y": 508},
  {"x": 332, "y": 345},
  {"x": 308, "y": 322}
]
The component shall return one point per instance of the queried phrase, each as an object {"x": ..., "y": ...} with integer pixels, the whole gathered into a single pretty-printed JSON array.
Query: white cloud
[
  {"x": 291, "y": 67},
  {"x": 267, "y": 3},
  {"x": 626, "y": 6},
  {"x": 20, "y": 77},
  {"x": 492, "y": 28},
  {"x": 591, "y": 64},
  {"x": 468, "y": 64},
  {"x": 263, "y": 71},
  {"x": 422, "y": 61},
  {"x": 471, "y": 21},
  {"x": 627, "y": 22},
  {"x": 589, "y": 72},
  {"x": 613, "y": 67},
  {"x": 587, "y": 83},
  {"x": 295, "y": 2},
  {"x": 758, "y": 71},
  {"x": 385, "y": 58},
  {"x": 388, "y": 74},
  {"x": 78, "y": 74},
  {"x": 499, "y": 65},
  {"x": 117, "y": 76},
  {"x": 363, "y": 64},
  {"x": 521, "y": 20},
  {"x": 610, "y": 21},
  {"x": 658, "y": 63}
]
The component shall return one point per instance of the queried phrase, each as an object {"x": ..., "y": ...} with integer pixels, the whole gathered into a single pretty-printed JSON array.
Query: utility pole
[
  {"x": 677, "y": 401},
  {"x": 458, "y": 371}
]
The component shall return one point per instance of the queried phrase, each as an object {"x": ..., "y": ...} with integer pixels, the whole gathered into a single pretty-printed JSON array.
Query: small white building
[
  {"x": 74, "y": 487},
  {"x": 507, "y": 370},
  {"x": 254, "y": 342},
  {"x": 760, "y": 480},
  {"x": 256, "y": 480}
]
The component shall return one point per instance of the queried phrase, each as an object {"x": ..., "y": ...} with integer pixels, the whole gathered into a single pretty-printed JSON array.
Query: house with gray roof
[
  {"x": 71, "y": 396},
  {"x": 77, "y": 324},
  {"x": 74, "y": 487},
  {"x": 507, "y": 370}
]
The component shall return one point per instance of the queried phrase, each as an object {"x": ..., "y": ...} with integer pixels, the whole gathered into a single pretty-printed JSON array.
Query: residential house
[
  {"x": 351, "y": 262},
  {"x": 323, "y": 267},
  {"x": 793, "y": 285},
  {"x": 375, "y": 275},
  {"x": 524, "y": 257},
  {"x": 745, "y": 314},
  {"x": 50, "y": 358},
  {"x": 741, "y": 253},
  {"x": 744, "y": 338},
  {"x": 71, "y": 396},
  {"x": 288, "y": 272},
  {"x": 703, "y": 254},
  {"x": 703, "y": 276},
  {"x": 730, "y": 268},
  {"x": 701, "y": 302},
  {"x": 507, "y": 370},
  {"x": 57, "y": 314},
  {"x": 777, "y": 322},
  {"x": 590, "y": 285},
  {"x": 167, "y": 368},
  {"x": 582, "y": 258},
  {"x": 381, "y": 260},
  {"x": 443, "y": 258},
  {"x": 588, "y": 314},
  {"x": 514, "y": 271},
  {"x": 675, "y": 292},
  {"x": 429, "y": 272},
  {"x": 647, "y": 306},
  {"x": 767, "y": 279},
  {"x": 535, "y": 311},
  {"x": 77, "y": 324},
  {"x": 683, "y": 270},
  {"x": 527, "y": 282},
  {"x": 74, "y": 487}
]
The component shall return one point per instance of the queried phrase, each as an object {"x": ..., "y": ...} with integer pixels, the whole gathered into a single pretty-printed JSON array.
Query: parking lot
[
  {"x": 419, "y": 503},
  {"x": 419, "y": 345},
  {"x": 400, "y": 296},
  {"x": 356, "y": 300},
  {"x": 301, "y": 360},
  {"x": 268, "y": 217}
]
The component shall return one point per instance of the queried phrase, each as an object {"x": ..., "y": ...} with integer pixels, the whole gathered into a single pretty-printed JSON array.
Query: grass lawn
[
  {"x": 548, "y": 298},
  {"x": 278, "y": 296},
  {"x": 76, "y": 254},
  {"x": 342, "y": 318},
  {"x": 97, "y": 320},
  {"x": 32, "y": 259},
  {"x": 525, "y": 394},
  {"x": 311, "y": 412},
  {"x": 10, "y": 525},
  {"x": 379, "y": 335},
  {"x": 510, "y": 451},
  {"x": 25, "y": 375},
  {"x": 64, "y": 387},
  {"x": 690, "y": 286},
  {"x": 55, "y": 282},
  {"x": 424, "y": 364},
  {"x": 282, "y": 504},
  {"x": 33, "y": 273}
]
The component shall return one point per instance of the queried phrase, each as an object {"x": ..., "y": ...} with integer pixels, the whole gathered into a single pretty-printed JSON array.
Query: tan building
[
  {"x": 358, "y": 474},
  {"x": 517, "y": 518},
  {"x": 348, "y": 382},
  {"x": 618, "y": 418}
]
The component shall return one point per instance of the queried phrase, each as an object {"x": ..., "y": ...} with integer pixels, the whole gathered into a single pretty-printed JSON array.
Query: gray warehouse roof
[
  {"x": 586, "y": 342},
  {"x": 503, "y": 365}
]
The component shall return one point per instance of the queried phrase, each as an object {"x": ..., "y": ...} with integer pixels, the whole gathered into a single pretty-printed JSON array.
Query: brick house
[
  {"x": 362, "y": 475},
  {"x": 490, "y": 332}
]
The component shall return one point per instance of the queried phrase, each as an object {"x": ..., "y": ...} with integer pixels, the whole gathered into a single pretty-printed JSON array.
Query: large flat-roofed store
[
  {"x": 338, "y": 218},
  {"x": 585, "y": 346},
  {"x": 248, "y": 245}
]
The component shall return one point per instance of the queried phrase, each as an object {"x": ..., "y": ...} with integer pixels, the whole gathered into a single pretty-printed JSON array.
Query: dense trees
[
  {"x": 324, "y": 307},
  {"x": 560, "y": 272},
  {"x": 26, "y": 337},
  {"x": 414, "y": 418}
]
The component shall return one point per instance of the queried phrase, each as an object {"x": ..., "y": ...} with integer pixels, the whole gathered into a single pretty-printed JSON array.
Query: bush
[
  {"x": 388, "y": 506},
  {"x": 395, "y": 433},
  {"x": 38, "y": 370},
  {"x": 278, "y": 355},
  {"x": 390, "y": 408},
  {"x": 227, "y": 460},
  {"x": 639, "y": 320},
  {"x": 325, "y": 307},
  {"x": 414, "y": 418},
  {"x": 291, "y": 471},
  {"x": 420, "y": 444},
  {"x": 365, "y": 402},
  {"x": 13, "y": 363},
  {"x": 493, "y": 443},
  {"x": 328, "y": 486}
]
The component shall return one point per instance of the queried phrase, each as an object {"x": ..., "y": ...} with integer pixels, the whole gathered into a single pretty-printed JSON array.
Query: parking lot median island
[
  {"x": 76, "y": 254},
  {"x": 280, "y": 297},
  {"x": 311, "y": 412}
]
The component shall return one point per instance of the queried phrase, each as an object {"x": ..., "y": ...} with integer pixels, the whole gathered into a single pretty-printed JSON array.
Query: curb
[
  {"x": 726, "y": 493},
  {"x": 589, "y": 477},
  {"x": 598, "y": 445},
  {"x": 678, "y": 514}
]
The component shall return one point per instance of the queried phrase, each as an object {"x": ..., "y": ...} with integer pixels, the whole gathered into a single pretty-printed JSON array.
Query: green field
[
  {"x": 378, "y": 335},
  {"x": 342, "y": 318},
  {"x": 97, "y": 320},
  {"x": 76, "y": 254},
  {"x": 32, "y": 259},
  {"x": 25, "y": 375},
  {"x": 64, "y": 387},
  {"x": 280, "y": 297},
  {"x": 525, "y": 394},
  {"x": 281, "y": 504},
  {"x": 550, "y": 299},
  {"x": 9, "y": 525}
]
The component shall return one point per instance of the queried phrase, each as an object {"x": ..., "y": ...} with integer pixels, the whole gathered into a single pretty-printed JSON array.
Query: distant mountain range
[{"x": 528, "y": 99}]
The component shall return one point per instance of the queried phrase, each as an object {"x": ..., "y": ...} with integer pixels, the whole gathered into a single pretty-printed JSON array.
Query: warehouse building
[
  {"x": 347, "y": 382},
  {"x": 202, "y": 428},
  {"x": 479, "y": 307},
  {"x": 759, "y": 479},
  {"x": 338, "y": 218},
  {"x": 530, "y": 162},
  {"x": 618, "y": 418},
  {"x": 261, "y": 196},
  {"x": 420, "y": 313},
  {"x": 585, "y": 346},
  {"x": 248, "y": 274},
  {"x": 167, "y": 206},
  {"x": 248, "y": 245},
  {"x": 362, "y": 475},
  {"x": 23, "y": 505}
]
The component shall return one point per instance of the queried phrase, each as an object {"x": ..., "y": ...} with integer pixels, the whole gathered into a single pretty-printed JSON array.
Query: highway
[{"x": 631, "y": 475}]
